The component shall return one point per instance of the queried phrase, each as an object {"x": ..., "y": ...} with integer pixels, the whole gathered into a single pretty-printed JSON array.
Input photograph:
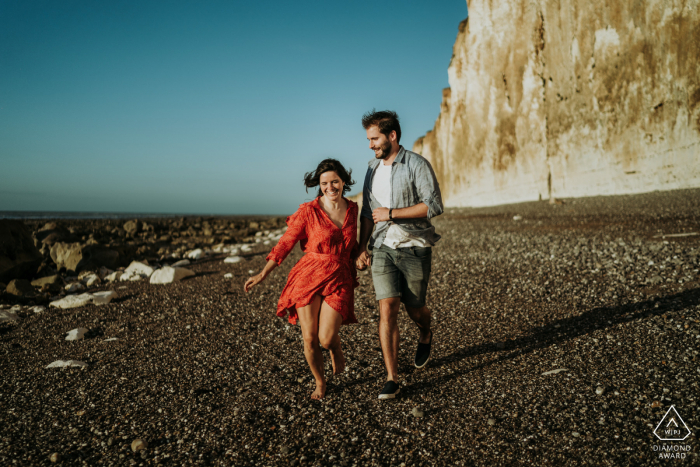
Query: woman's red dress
[{"x": 327, "y": 268}]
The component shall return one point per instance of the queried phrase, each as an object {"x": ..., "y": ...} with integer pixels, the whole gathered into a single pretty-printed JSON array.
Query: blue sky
[{"x": 206, "y": 107}]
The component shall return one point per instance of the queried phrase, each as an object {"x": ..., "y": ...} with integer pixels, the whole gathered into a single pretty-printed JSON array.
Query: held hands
[
  {"x": 363, "y": 260},
  {"x": 253, "y": 281},
  {"x": 380, "y": 215}
]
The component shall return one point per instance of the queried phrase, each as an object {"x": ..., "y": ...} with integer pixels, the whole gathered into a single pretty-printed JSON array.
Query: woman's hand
[
  {"x": 363, "y": 260},
  {"x": 253, "y": 281}
]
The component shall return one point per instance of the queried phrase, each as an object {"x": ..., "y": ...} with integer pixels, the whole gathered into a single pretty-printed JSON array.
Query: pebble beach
[{"x": 563, "y": 334}]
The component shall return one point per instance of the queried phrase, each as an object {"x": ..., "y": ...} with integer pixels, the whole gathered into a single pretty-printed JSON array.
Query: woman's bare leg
[
  {"x": 309, "y": 320},
  {"x": 328, "y": 326}
]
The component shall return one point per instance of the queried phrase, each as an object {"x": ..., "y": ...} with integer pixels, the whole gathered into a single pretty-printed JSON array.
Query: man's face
[{"x": 378, "y": 142}]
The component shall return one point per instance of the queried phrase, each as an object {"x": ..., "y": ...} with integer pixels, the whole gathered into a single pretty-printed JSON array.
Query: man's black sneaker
[
  {"x": 423, "y": 353},
  {"x": 391, "y": 389}
]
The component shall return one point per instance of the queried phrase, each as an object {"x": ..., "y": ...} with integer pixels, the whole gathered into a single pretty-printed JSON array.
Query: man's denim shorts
[{"x": 403, "y": 272}]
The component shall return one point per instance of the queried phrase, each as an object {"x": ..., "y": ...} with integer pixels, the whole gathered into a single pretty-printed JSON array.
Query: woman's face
[{"x": 331, "y": 186}]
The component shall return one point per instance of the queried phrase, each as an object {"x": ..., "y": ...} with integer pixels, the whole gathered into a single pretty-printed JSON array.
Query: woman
[{"x": 319, "y": 291}]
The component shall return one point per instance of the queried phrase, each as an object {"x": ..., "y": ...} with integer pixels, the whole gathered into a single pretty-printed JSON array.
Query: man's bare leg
[
  {"x": 328, "y": 326},
  {"x": 308, "y": 319},
  {"x": 389, "y": 335},
  {"x": 422, "y": 317}
]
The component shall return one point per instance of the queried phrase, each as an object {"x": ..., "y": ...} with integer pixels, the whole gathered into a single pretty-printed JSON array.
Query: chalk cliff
[{"x": 569, "y": 98}]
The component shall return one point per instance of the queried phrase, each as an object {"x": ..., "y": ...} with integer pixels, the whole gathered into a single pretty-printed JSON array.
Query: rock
[
  {"x": 74, "y": 287},
  {"x": 545, "y": 108},
  {"x": 491, "y": 421},
  {"x": 233, "y": 259},
  {"x": 67, "y": 364},
  {"x": 417, "y": 412},
  {"x": 72, "y": 301},
  {"x": 104, "y": 272},
  {"x": 138, "y": 445},
  {"x": 91, "y": 279},
  {"x": 575, "y": 434},
  {"x": 111, "y": 339},
  {"x": 55, "y": 457},
  {"x": 181, "y": 263},
  {"x": 168, "y": 275},
  {"x": 19, "y": 258},
  {"x": 7, "y": 315},
  {"x": 50, "y": 280},
  {"x": 228, "y": 275},
  {"x": 655, "y": 405},
  {"x": 66, "y": 255},
  {"x": 136, "y": 271},
  {"x": 115, "y": 276},
  {"x": 195, "y": 254},
  {"x": 132, "y": 227},
  {"x": 600, "y": 390},
  {"x": 517, "y": 218},
  {"x": 554, "y": 372},
  {"x": 39, "y": 309},
  {"x": 76, "y": 334},
  {"x": 102, "y": 298},
  {"x": 97, "y": 256},
  {"x": 20, "y": 288}
]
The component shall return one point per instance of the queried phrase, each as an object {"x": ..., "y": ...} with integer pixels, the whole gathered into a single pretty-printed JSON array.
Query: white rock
[
  {"x": 246, "y": 249},
  {"x": 111, "y": 339},
  {"x": 167, "y": 275},
  {"x": 130, "y": 276},
  {"x": 233, "y": 259},
  {"x": 234, "y": 251},
  {"x": 517, "y": 218},
  {"x": 554, "y": 372},
  {"x": 258, "y": 240},
  {"x": 67, "y": 364},
  {"x": 258, "y": 234},
  {"x": 74, "y": 287},
  {"x": 266, "y": 242},
  {"x": 181, "y": 263},
  {"x": 76, "y": 334},
  {"x": 195, "y": 254},
  {"x": 16, "y": 309},
  {"x": 91, "y": 279},
  {"x": 250, "y": 271},
  {"x": 39, "y": 309},
  {"x": 142, "y": 269},
  {"x": 102, "y": 298},
  {"x": 6, "y": 315},
  {"x": 228, "y": 275},
  {"x": 73, "y": 301},
  {"x": 115, "y": 276}
]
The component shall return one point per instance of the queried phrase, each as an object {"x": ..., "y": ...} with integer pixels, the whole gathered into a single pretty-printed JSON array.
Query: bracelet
[{"x": 390, "y": 218}]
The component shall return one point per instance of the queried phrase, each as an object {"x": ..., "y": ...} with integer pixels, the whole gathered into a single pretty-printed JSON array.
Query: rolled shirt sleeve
[{"x": 428, "y": 189}]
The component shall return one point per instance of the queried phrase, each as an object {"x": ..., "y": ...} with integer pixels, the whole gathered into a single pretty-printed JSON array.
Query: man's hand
[
  {"x": 380, "y": 215},
  {"x": 363, "y": 260}
]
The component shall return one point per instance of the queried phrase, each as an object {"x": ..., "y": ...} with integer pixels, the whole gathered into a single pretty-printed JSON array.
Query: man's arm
[
  {"x": 419, "y": 211},
  {"x": 366, "y": 227}
]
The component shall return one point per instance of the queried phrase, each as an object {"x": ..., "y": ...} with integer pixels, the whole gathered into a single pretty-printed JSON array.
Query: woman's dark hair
[
  {"x": 312, "y": 179},
  {"x": 386, "y": 120}
]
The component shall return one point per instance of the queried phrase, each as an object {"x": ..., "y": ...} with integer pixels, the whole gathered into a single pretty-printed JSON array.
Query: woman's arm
[{"x": 258, "y": 278}]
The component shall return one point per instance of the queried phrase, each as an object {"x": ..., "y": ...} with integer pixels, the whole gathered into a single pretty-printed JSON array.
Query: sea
[{"x": 94, "y": 215}]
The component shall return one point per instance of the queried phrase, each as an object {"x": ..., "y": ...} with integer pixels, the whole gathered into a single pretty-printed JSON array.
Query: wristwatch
[{"x": 390, "y": 218}]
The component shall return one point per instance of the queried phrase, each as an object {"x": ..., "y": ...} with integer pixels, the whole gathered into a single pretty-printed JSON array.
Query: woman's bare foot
[
  {"x": 338, "y": 361},
  {"x": 320, "y": 391}
]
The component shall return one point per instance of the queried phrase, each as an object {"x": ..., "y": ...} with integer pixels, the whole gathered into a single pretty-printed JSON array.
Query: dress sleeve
[{"x": 296, "y": 231}]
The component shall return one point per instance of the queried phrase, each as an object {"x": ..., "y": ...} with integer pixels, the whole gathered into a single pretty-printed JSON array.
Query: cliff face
[{"x": 569, "y": 98}]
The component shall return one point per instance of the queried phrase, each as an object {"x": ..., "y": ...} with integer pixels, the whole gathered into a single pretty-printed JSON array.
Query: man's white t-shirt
[{"x": 396, "y": 237}]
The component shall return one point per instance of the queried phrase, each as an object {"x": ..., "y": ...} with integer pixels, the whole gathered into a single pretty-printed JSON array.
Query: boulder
[
  {"x": 132, "y": 227},
  {"x": 181, "y": 263},
  {"x": 67, "y": 364},
  {"x": 8, "y": 315},
  {"x": 138, "y": 268},
  {"x": 74, "y": 287},
  {"x": 195, "y": 254},
  {"x": 50, "y": 280},
  {"x": 20, "y": 288},
  {"x": 75, "y": 257},
  {"x": 168, "y": 275},
  {"x": 19, "y": 258},
  {"x": 76, "y": 334},
  {"x": 66, "y": 255},
  {"x": 115, "y": 276},
  {"x": 74, "y": 301}
]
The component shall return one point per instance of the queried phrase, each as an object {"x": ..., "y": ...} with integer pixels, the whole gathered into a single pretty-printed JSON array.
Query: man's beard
[{"x": 385, "y": 151}]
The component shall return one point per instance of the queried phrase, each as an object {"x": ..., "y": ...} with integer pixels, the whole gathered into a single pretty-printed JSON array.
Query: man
[{"x": 400, "y": 196}]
